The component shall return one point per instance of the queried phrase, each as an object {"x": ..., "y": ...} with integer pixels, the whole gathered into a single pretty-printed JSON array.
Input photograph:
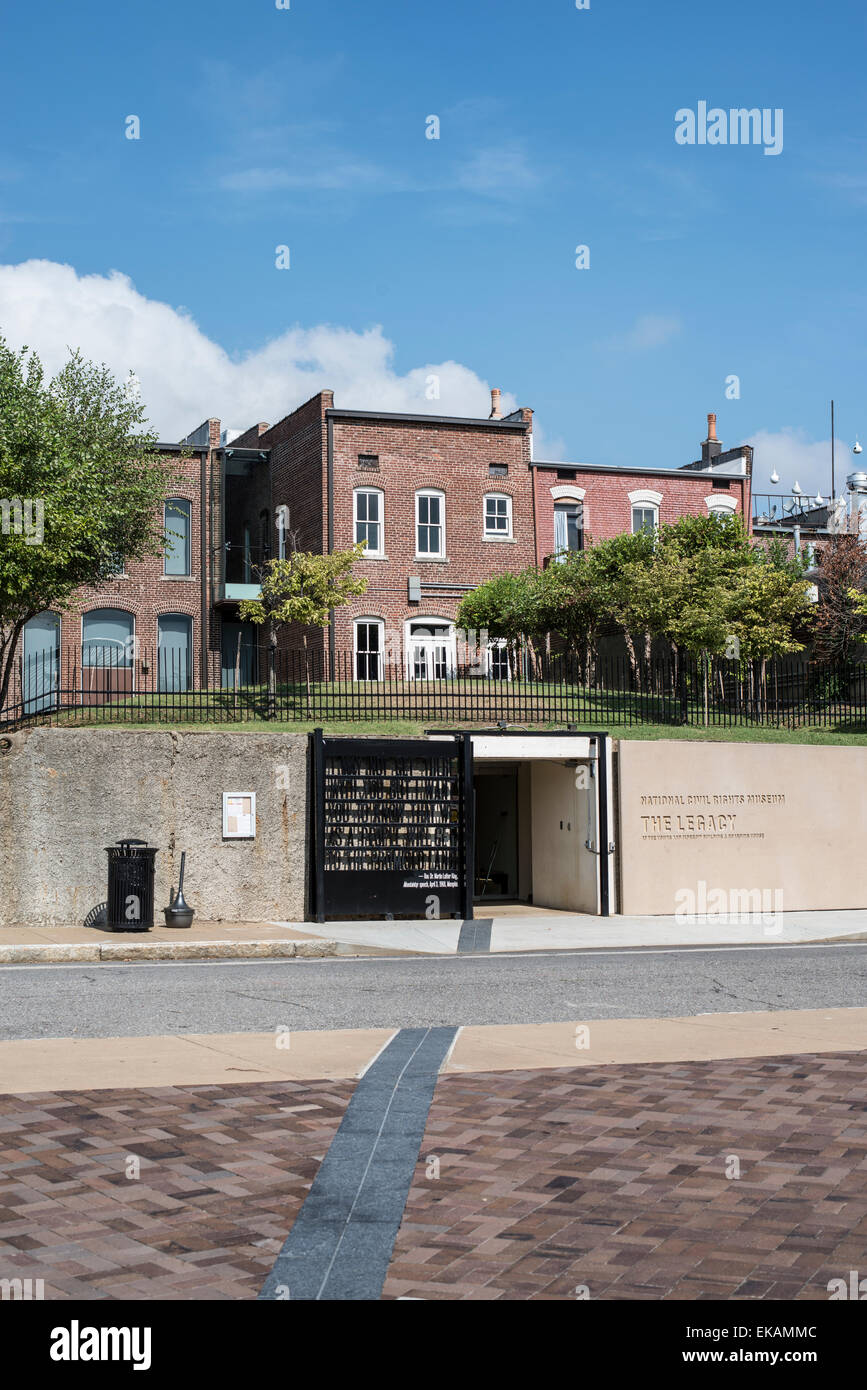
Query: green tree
[
  {"x": 572, "y": 604},
  {"x": 304, "y": 588},
  {"x": 507, "y": 607},
  {"x": 79, "y": 466},
  {"x": 616, "y": 571},
  {"x": 728, "y": 588}
]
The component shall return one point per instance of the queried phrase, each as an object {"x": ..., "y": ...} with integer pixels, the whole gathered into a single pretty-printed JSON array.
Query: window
[
  {"x": 430, "y": 508},
  {"x": 498, "y": 470},
  {"x": 177, "y": 525},
  {"x": 41, "y": 662},
  {"x": 368, "y": 649},
  {"x": 568, "y": 527},
  {"x": 645, "y": 510},
  {"x": 498, "y": 517},
  {"x": 644, "y": 519},
  {"x": 720, "y": 505},
  {"x": 369, "y": 519},
  {"x": 498, "y": 660},
  {"x": 567, "y": 474},
  {"x": 175, "y": 648},
  {"x": 282, "y": 518},
  {"x": 369, "y": 462},
  {"x": 107, "y": 637}
]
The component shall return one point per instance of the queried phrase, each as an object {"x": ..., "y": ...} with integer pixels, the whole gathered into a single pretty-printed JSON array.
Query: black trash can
[{"x": 130, "y": 886}]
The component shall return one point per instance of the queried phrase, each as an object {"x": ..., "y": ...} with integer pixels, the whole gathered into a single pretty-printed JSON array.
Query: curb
[{"x": 51, "y": 953}]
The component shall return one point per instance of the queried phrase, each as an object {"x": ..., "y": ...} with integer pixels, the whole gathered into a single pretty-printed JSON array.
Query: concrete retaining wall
[
  {"x": 65, "y": 794},
  {"x": 783, "y": 823}
]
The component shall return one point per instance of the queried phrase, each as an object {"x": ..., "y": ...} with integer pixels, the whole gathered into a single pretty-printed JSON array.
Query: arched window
[
  {"x": 645, "y": 510},
  {"x": 41, "y": 662},
  {"x": 107, "y": 638},
  {"x": 721, "y": 504},
  {"x": 570, "y": 519},
  {"x": 177, "y": 524},
  {"x": 369, "y": 640}
]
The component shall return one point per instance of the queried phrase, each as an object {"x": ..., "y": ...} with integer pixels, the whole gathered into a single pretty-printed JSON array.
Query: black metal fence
[{"x": 525, "y": 687}]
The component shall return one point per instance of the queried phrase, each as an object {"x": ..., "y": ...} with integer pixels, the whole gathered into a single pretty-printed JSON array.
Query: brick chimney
[
  {"x": 496, "y": 412},
  {"x": 711, "y": 446}
]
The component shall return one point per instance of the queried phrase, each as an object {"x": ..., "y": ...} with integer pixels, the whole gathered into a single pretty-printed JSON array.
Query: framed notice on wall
[{"x": 239, "y": 815}]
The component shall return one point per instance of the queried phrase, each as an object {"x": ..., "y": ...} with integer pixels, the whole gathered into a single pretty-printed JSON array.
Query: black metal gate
[{"x": 393, "y": 827}]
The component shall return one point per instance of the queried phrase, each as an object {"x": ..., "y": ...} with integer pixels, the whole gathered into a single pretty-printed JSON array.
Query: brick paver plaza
[{"x": 613, "y": 1178}]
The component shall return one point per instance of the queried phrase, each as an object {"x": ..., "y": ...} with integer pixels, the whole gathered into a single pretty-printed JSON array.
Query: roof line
[
  {"x": 634, "y": 468},
  {"x": 335, "y": 413}
]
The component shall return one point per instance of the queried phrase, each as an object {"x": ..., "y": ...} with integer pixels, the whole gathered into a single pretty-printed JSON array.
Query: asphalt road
[{"x": 236, "y": 996}]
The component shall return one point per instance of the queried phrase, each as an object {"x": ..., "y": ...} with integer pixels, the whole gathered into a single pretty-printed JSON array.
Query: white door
[{"x": 431, "y": 652}]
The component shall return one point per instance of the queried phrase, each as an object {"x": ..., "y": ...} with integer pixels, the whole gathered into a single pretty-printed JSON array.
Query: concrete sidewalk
[
  {"x": 33, "y": 1065},
  {"x": 201, "y": 941},
  {"x": 510, "y": 931},
  {"x": 546, "y": 930}
]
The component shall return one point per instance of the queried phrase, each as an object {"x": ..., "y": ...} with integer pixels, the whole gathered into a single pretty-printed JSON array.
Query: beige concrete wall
[
  {"x": 67, "y": 793},
  {"x": 563, "y": 871},
  {"x": 741, "y": 817}
]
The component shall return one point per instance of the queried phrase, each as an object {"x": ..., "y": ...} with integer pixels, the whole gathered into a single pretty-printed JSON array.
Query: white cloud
[
  {"x": 797, "y": 459},
  {"x": 499, "y": 171},
  {"x": 551, "y": 448},
  {"x": 342, "y": 175},
  {"x": 648, "y": 331},
  {"x": 187, "y": 377}
]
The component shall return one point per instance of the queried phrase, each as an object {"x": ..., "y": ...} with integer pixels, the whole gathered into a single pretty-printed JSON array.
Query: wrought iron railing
[{"x": 527, "y": 686}]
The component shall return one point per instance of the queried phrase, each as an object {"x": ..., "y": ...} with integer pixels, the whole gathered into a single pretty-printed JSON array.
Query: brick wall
[
  {"x": 144, "y": 590},
  {"x": 453, "y": 459},
  {"x": 608, "y": 510},
  {"x": 413, "y": 454}
]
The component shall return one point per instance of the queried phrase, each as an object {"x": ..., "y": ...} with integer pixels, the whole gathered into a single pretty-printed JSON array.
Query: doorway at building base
[
  {"x": 420, "y": 827},
  {"x": 392, "y": 827}
]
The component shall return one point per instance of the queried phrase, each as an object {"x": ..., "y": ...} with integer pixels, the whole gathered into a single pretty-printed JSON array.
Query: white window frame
[
  {"x": 371, "y": 621},
  {"x": 648, "y": 501},
  {"x": 496, "y": 645},
  {"x": 570, "y": 492},
  {"x": 506, "y": 535},
  {"x": 722, "y": 503},
  {"x": 560, "y": 555},
  {"x": 450, "y": 642},
  {"x": 379, "y": 552},
  {"x": 430, "y": 554}
]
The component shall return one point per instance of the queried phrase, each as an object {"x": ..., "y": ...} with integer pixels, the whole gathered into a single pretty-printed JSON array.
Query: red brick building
[
  {"x": 579, "y": 502},
  {"x": 443, "y": 503}
]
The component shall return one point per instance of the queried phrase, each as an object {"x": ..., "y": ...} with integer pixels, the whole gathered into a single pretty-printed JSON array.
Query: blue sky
[{"x": 306, "y": 127}]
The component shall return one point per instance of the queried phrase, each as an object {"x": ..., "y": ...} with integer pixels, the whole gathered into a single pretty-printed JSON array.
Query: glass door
[{"x": 431, "y": 651}]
